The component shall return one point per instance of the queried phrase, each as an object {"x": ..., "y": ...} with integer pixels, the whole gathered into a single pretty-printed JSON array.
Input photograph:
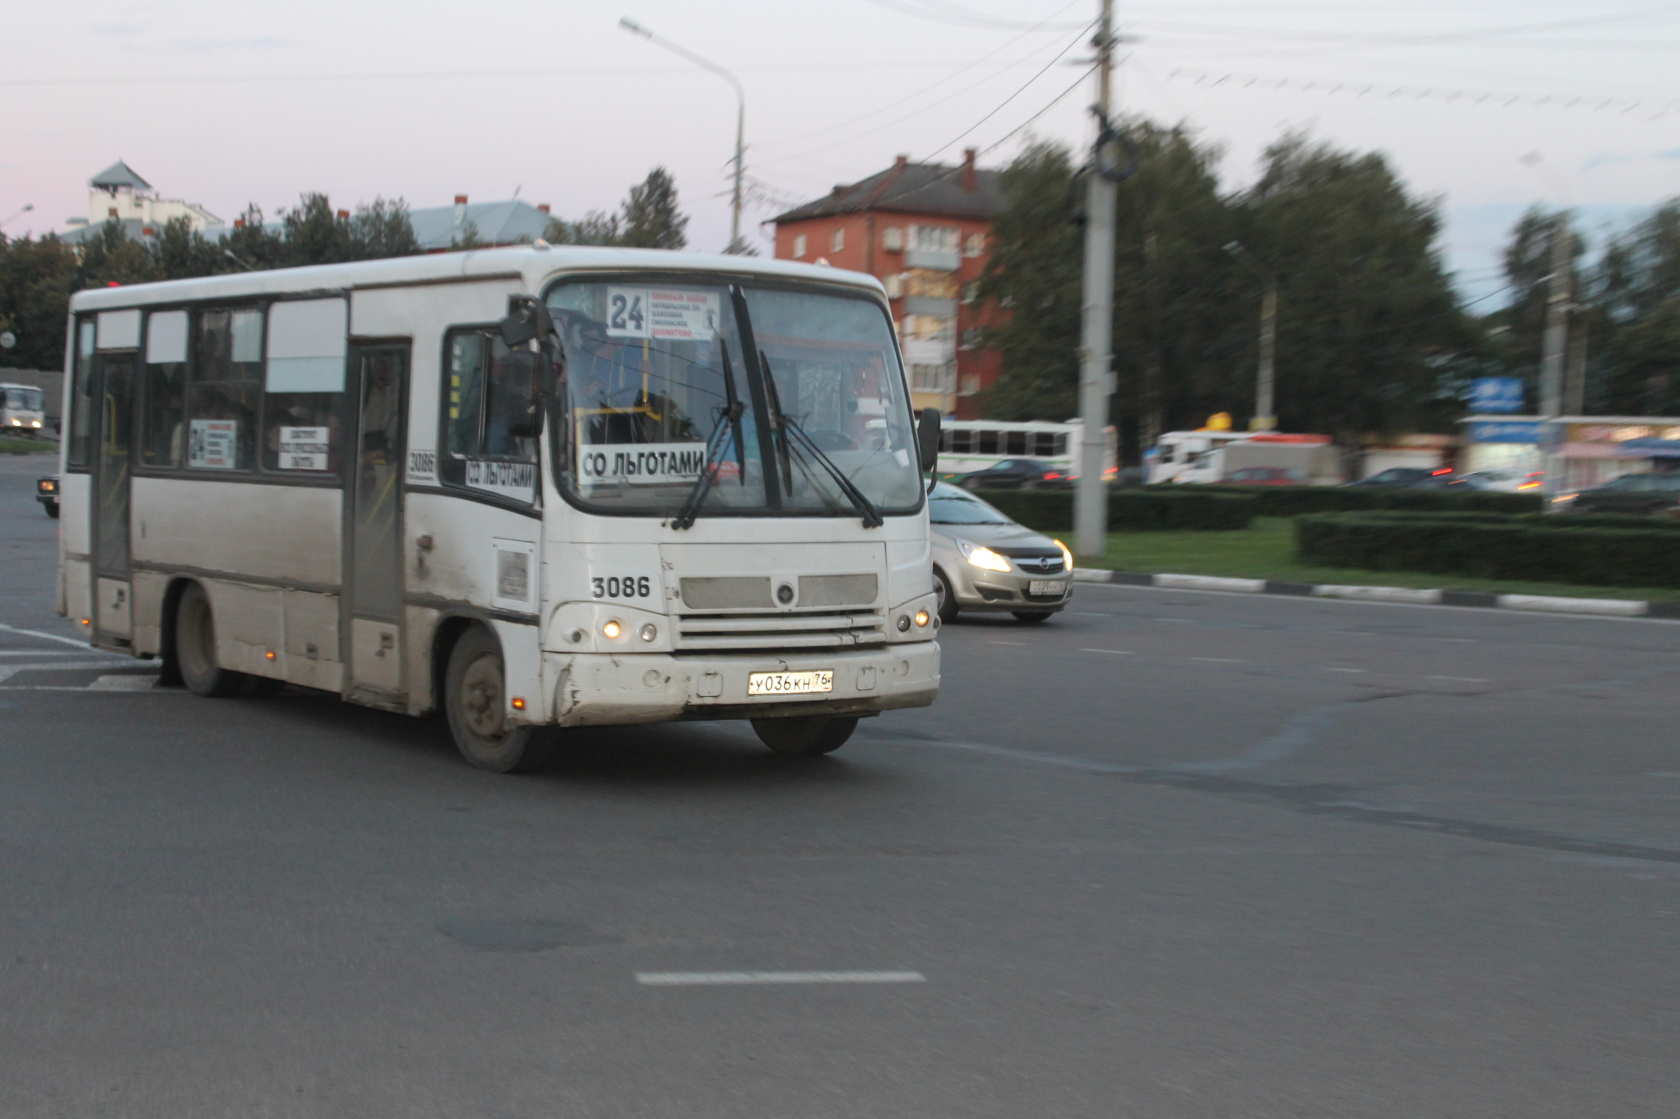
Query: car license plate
[
  {"x": 790, "y": 683},
  {"x": 1045, "y": 586}
]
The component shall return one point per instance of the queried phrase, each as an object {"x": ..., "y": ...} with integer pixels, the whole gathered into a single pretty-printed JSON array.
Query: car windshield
[
  {"x": 661, "y": 380},
  {"x": 948, "y": 505}
]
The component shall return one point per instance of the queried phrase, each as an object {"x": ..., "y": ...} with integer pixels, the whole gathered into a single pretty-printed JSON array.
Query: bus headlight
[
  {"x": 921, "y": 618},
  {"x": 611, "y": 630},
  {"x": 983, "y": 558}
]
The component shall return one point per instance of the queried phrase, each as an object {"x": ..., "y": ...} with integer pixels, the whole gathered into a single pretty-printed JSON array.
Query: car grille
[
  {"x": 697, "y": 632},
  {"x": 1035, "y": 564}
]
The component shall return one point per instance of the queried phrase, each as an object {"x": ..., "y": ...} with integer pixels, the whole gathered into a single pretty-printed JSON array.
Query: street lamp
[
  {"x": 635, "y": 28},
  {"x": 1556, "y": 340},
  {"x": 1265, "y": 418},
  {"x": 17, "y": 215}
]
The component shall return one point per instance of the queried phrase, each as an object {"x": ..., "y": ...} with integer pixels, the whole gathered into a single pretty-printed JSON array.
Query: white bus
[
  {"x": 20, "y": 409},
  {"x": 525, "y": 488},
  {"x": 970, "y": 445}
]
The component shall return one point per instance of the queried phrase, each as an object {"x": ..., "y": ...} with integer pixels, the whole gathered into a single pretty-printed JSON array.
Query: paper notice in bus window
[
  {"x": 687, "y": 316},
  {"x": 644, "y": 464},
  {"x": 212, "y": 444},
  {"x": 517, "y": 480},
  {"x": 683, "y": 316},
  {"x": 303, "y": 448}
]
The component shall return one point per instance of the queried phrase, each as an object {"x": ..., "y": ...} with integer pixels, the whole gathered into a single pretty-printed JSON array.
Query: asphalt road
[{"x": 1173, "y": 854}]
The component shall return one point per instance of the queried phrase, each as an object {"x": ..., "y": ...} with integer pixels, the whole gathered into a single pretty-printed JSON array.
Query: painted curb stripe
[{"x": 1607, "y": 607}]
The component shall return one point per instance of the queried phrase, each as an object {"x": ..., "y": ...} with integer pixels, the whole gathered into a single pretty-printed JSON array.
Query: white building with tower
[{"x": 119, "y": 192}]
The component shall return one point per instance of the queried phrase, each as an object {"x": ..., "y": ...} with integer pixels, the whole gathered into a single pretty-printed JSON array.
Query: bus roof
[{"x": 533, "y": 265}]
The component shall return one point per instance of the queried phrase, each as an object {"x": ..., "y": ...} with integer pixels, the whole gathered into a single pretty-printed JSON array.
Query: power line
[
  {"x": 1077, "y": 40},
  {"x": 899, "y": 101},
  {"x": 942, "y": 12},
  {"x": 1385, "y": 92}
]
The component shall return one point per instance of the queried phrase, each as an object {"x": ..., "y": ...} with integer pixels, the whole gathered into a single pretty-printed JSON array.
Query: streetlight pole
[
  {"x": 1096, "y": 376},
  {"x": 630, "y": 25},
  {"x": 1265, "y": 414},
  {"x": 30, "y": 206},
  {"x": 1556, "y": 339}
]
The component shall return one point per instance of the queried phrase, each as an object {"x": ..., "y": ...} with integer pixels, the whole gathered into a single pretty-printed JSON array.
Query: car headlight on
[
  {"x": 1067, "y": 556},
  {"x": 983, "y": 558}
]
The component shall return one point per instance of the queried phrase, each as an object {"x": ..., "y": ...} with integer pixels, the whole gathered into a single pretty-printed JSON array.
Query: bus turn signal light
[
  {"x": 269, "y": 654},
  {"x": 518, "y": 702}
]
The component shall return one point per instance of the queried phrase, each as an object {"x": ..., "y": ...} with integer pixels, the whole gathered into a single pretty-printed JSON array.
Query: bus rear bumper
[{"x": 591, "y": 689}]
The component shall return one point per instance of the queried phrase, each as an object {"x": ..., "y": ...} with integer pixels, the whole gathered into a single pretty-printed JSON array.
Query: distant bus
[
  {"x": 522, "y": 488},
  {"x": 970, "y": 445},
  {"x": 20, "y": 408}
]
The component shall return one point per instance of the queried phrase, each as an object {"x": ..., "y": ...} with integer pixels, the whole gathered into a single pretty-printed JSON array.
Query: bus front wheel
[
  {"x": 195, "y": 648},
  {"x": 806, "y": 736},
  {"x": 475, "y": 700}
]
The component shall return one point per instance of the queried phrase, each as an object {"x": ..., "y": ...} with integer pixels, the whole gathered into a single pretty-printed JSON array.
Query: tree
[
  {"x": 1634, "y": 314},
  {"x": 1368, "y": 322},
  {"x": 595, "y": 228},
  {"x": 649, "y": 218},
  {"x": 36, "y": 279}
]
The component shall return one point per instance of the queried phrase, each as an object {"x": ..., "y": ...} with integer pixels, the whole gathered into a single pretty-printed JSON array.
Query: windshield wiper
[
  {"x": 794, "y": 435},
  {"x": 731, "y": 412}
]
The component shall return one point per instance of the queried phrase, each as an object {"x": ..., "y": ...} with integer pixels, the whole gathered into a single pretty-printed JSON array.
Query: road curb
[{"x": 1533, "y": 603}]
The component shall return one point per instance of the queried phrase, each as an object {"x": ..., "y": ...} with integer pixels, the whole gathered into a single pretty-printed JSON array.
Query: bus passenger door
[
  {"x": 113, "y": 389},
  {"x": 373, "y": 606}
]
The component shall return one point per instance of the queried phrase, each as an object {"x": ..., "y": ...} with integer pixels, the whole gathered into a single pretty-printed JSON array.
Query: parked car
[
  {"x": 1401, "y": 477},
  {"x": 1497, "y": 481},
  {"x": 982, "y": 560},
  {"x": 1265, "y": 476},
  {"x": 46, "y": 492},
  {"x": 1019, "y": 474},
  {"x": 1632, "y": 493}
]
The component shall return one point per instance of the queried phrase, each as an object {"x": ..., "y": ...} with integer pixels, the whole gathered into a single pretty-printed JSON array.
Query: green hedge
[
  {"x": 1128, "y": 510},
  {"x": 1516, "y": 549},
  {"x": 1290, "y": 501},
  {"x": 1564, "y": 520}
]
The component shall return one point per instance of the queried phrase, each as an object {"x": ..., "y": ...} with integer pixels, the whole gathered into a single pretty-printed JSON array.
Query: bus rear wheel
[
  {"x": 475, "y": 699},
  {"x": 805, "y": 736},
  {"x": 195, "y": 648}
]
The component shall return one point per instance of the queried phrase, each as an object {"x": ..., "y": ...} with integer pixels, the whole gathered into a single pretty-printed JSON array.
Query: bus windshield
[
  {"x": 24, "y": 399},
  {"x": 771, "y": 387}
]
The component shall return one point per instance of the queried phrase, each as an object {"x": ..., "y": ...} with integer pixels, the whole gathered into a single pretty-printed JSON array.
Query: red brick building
[{"x": 925, "y": 231}]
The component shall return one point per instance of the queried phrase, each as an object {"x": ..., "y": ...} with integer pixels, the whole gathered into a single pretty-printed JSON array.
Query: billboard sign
[{"x": 1496, "y": 394}]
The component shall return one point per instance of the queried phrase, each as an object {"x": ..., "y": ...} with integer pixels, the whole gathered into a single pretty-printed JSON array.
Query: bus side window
[
  {"x": 303, "y": 397},
  {"x": 1017, "y": 442},
  {"x": 988, "y": 442},
  {"x": 1059, "y": 443},
  {"x": 226, "y": 385},
  {"x": 163, "y": 389},
  {"x": 81, "y": 406},
  {"x": 483, "y": 393}
]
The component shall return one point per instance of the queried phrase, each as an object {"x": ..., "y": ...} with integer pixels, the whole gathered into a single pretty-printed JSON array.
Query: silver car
[{"x": 982, "y": 560}]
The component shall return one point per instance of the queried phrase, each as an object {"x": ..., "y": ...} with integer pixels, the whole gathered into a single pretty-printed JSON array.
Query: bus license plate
[
  {"x": 790, "y": 683},
  {"x": 1045, "y": 586}
]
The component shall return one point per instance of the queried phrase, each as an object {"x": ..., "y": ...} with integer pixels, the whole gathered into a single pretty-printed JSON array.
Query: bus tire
[
  {"x": 475, "y": 700},
  {"x": 947, "y": 597},
  {"x": 195, "y": 648},
  {"x": 805, "y": 736}
]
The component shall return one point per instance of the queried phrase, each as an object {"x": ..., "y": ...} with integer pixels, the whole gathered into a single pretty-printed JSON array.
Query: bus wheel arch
[
  {"x": 169, "y": 676},
  {"x": 194, "y": 646},
  {"x": 475, "y": 703},
  {"x": 449, "y": 629}
]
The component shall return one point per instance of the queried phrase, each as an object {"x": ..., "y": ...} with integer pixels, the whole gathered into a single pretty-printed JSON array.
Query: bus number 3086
[{"x": 630, "y": 586}]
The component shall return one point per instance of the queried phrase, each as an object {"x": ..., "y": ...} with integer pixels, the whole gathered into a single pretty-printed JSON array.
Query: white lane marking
[
  {"x": 48, "y": 636},
  {"x": 1346, "y": 670},
  {"x": 1186, "y": 621},
  {"x": 1460, "y": 679},
  {"x": 1006, "y": 642},
  {"x": 1114, "y": 652},
  {"x": 35, "y": 653},
  {"x": 1219, "y": 660},
  {"x": 734, "y": 978},
  {"x": 130, "y": 683}
]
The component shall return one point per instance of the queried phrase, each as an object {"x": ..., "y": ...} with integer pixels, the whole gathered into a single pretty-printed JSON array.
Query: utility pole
[
  {"x": 1551, "y": 365},
  {"x": 630, "y": 25},
  {"x": 1096, "y": 376},
  {"x": 1265, "y": 414}
]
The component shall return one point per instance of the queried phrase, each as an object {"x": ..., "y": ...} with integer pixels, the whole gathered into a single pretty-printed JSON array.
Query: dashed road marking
[
  {"x": 1346, "y": 670},
  {"x": 748, "y": 978},
  {"x": 1460, "y": 679},
  {"x": 1112, "y": 652},
  {"x": 1219, "y": 660}
]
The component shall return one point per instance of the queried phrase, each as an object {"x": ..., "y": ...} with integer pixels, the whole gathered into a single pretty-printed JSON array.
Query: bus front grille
[{"x": 779, "y": 631}]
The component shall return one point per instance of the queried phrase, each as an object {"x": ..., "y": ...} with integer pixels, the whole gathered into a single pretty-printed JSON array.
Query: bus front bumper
[{"x": 599, "y": 689}]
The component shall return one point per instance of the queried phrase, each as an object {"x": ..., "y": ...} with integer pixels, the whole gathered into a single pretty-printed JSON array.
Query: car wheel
[
  {"x": 970, "y": 484},
  {"x": 195, "y": 648},
  {"x": 475, "y": 699},
  {"x": 947, "y": 597},
  {"x": 805, "y": 736},
  {"x": 1031, "y": 617}
]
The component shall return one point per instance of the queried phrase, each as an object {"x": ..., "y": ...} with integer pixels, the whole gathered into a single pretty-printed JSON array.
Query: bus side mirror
[
  {"x": 527, "y": 319},
  {"x": 927, "y": 439}
]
